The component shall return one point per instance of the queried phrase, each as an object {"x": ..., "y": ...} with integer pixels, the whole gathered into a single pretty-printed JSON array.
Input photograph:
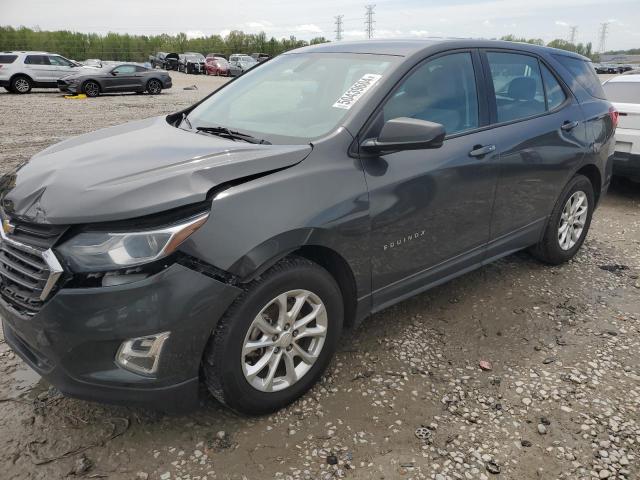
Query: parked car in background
[
  {"x": 92, "y": 62},
  {"x": 22, "y": 71},
  {"x": 234, "y": 240},
  {"x": 624, "y": 92},
  {"x": 239, "y": 63},
  {"x": 221, "y": 55},
  {"x": 119, "y": 78},
  {"x": 157, "y": 60},
  {"x": 171, "y": 61},
  {"x": 260, "y": 57},
  {"x": 216, "y": 66},
  {"x": 191, "y": 62}
]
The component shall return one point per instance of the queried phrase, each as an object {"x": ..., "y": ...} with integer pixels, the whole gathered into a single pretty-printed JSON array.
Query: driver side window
[
  {"x": 442, "y": 90},
  {"x": 125, "y": 69},
  {"x": 59, "y": 61}
]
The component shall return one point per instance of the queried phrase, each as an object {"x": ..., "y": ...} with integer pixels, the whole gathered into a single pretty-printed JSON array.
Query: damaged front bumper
[{"x": 74, "y": 339}]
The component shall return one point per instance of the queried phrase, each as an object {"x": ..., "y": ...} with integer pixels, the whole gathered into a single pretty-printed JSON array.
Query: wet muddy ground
[{"x": 405, "y": 397}]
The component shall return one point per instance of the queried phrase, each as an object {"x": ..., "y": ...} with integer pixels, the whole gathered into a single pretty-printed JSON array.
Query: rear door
[
  {"x": 37, "y": 67},
  {"x": 540, "y": 132}
]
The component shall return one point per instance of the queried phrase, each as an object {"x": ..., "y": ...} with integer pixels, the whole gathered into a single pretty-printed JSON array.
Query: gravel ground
[{"x": 515, "y": 371}]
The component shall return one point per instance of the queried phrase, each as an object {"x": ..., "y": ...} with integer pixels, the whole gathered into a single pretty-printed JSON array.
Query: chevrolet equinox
[{"x": 231, "y": 242}]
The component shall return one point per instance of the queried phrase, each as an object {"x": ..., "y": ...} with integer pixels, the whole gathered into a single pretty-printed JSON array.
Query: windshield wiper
[{"x": 224, "y": 132}]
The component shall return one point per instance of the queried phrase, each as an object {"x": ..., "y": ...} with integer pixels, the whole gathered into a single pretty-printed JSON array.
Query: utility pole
[
  {"x": 572, "y": 35},
  {"x": 339, "y": 27},
  {"x": 603, "y": 36},
  {"x": 369, "y": 21}
]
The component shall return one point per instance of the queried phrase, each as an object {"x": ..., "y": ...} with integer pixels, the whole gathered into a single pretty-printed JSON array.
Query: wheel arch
[
  {"x": 592, "y": 172},
  {"x": 304, "y": 243},
  {"x": 20, "y": 74}
]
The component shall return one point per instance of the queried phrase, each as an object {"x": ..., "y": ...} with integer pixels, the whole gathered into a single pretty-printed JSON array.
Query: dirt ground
[{"x": 405, "y": 396}]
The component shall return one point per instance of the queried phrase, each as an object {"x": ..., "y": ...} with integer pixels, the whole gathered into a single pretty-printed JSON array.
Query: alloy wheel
[
  {"x": 21, "y": 85},
  {"x": 572, "y": 220},
  {"x": 91, "y": 89},
  {"x": 154, "y": 87},
  {"x": 284, "y": 340}
]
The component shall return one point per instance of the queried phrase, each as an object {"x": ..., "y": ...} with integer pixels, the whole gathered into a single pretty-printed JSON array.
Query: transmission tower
[
  {"x": 369, "y": 21},
  {"x": 604, "y": 27},
  {"x": 339, "y": 27},
  {"x": 572, "y": 35}
]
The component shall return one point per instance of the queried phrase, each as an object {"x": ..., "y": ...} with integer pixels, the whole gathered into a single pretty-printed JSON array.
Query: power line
[
  {"x": 604, "y": 27},
  {"x": 369, "y": 21},
  {"x": 339, "y": 27},
  {"x": 572, "y": 35}
]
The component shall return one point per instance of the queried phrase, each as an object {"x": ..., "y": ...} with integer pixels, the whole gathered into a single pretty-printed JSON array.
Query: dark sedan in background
[{"x": 116, "y": 78}]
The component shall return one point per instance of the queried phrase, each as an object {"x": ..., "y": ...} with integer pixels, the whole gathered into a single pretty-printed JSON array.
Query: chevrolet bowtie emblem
[{"x": 7, "y": 226}]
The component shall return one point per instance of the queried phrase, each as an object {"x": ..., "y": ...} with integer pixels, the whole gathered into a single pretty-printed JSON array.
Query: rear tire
[
  {"x": 21, "y": 84},
  {"x": 568, "y": 224},
  {"x": 232, "y": 366},
  {"x": 91, "y": 89},
  {"x": 154, "y": 87}
]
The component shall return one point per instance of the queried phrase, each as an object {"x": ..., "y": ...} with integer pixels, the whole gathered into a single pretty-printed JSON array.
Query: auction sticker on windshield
[{"x": 357, "y": 90}]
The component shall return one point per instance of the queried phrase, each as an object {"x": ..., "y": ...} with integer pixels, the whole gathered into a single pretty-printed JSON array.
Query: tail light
[{"x": 613, "y": 113}]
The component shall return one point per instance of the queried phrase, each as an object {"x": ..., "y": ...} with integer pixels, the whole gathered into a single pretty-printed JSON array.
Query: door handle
[
  {"x": 480, "y": 151},
  {"x": 568, "y": 126}
]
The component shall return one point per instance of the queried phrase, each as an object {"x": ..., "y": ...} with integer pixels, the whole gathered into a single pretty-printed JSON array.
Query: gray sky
[{"x": 546, "y": 19}]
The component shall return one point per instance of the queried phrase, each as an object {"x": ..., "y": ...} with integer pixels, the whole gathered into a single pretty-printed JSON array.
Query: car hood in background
[{"x": 133, "y": 170}]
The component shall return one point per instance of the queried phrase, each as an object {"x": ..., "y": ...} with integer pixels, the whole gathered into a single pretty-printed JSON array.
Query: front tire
[
  {"x": 91, "y": 89},
  {"x": 568, "y": 224},
  {"x": 276, "y": 339}
]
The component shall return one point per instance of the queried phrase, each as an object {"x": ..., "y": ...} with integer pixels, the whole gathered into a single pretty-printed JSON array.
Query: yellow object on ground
[{"x": 80, "y": 96}]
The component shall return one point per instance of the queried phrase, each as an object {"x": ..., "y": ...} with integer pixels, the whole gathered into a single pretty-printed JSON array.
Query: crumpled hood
[{"x": 132, "y": 170}]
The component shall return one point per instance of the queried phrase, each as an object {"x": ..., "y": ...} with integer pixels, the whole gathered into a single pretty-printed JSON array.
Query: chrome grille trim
[{"x": 29, "y": 273}]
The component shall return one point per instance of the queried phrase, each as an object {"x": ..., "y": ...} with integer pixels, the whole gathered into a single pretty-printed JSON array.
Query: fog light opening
[{"x": 142, "y": 355}]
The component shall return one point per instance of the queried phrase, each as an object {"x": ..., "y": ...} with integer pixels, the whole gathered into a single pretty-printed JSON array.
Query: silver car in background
[{"x": 22, "y": 71}]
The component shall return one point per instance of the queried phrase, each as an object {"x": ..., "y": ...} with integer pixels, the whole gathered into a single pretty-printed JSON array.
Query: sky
[{"x": 546, "y": 19}]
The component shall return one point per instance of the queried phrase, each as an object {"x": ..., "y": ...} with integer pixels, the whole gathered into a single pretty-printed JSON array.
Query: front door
[
  {"x": 59, "y": 67},
  {"x": 122, "y": 78},
  {"x": 431, "y": 208}
]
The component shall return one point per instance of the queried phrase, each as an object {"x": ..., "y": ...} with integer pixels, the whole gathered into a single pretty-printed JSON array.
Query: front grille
[{"x": 25, "y": 275}]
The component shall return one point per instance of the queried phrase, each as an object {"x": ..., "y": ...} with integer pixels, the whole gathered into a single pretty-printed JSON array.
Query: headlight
[{"x": 103, "y": 251}]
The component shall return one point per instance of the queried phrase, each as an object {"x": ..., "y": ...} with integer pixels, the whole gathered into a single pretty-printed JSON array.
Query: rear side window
[
  {"x": 36, "y": 60},
  {"x": 584, "y": 73},
  {"x": 518, "y": 86},
  {"x": 7, "y": 58},
  {"x": 555, "y": 94},
  {"x": 442, "y": 90}
]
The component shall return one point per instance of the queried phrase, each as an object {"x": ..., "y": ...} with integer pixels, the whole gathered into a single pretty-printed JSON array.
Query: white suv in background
[
  {"x": 22, "y": 71},
  {"x": 624, "y": 92}
]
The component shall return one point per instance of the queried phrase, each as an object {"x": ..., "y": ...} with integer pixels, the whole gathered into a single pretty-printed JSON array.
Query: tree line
[
  {"x": 126, "y": 47},
  {"x": 585, "y": 49}
]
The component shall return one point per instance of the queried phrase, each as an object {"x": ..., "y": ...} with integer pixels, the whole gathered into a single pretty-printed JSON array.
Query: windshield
[
  {"x": 622, "y": 92},
  {"x": 293, "y": 98}
]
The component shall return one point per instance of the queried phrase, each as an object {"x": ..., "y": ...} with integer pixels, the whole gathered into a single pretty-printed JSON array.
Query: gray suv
[
  {"x": 22, "y": 71},
  {"x": 232, "y": 242}
]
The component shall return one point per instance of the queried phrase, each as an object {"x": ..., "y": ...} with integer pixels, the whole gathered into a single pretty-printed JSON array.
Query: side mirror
[
  {"x": 405, "y": 133},
  {"x": 114, "y": 73}
]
